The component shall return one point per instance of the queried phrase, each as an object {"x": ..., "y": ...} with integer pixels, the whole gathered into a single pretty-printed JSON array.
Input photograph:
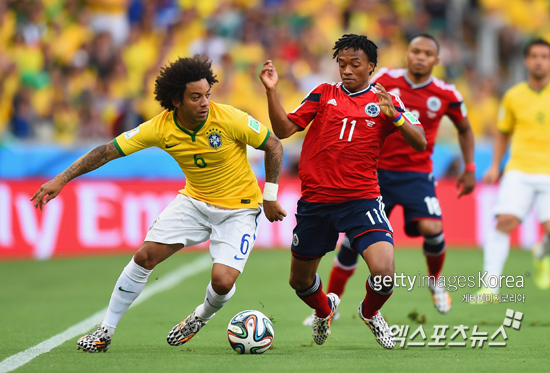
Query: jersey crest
[
  {"x": 214, "y": 138},
  {"x": 372, "y": 109},
  {"x": 434, "y": 103}
]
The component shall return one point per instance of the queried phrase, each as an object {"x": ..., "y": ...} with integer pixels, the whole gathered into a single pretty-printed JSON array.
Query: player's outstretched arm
[
  {"x": 413, "y": 135},
  {"x": 95, "y": 158},
  {"x": 501, "y": 143},
  {"x": 283, "y": 127},
  {"x": 273, "y": 165},
  {"x": 467, "y": 143}
]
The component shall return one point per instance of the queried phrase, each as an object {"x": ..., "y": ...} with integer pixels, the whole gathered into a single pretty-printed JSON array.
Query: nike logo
[
  {"x": 126, "y": 291},
  {"x": 171, "y": 146},
  {"x": 237, "y": 258}
]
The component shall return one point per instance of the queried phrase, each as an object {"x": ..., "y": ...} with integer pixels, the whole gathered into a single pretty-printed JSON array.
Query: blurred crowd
[{"x": 75, "y": 71}]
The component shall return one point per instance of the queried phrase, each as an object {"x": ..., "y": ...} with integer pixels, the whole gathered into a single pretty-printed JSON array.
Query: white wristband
[{"x": 270, "y": 191}]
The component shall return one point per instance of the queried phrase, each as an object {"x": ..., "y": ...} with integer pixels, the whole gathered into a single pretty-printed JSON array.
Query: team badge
[
  {"x": 372, "y": 109},
  {"x": 214, "y": 138},
  {"x": 295, "y": 240},
  {"x": 434, "y": 103}
]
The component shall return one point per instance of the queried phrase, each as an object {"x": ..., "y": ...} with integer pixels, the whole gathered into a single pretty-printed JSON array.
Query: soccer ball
[{"x": 250, "y": 332}]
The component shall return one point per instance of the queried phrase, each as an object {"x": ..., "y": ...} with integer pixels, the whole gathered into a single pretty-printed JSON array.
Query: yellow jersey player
[
  {"x": 221, "y": 200},
  {"x": 524, "y": 120}
]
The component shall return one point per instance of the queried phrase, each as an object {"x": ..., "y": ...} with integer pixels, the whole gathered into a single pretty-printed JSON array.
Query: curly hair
[
  {"x": 357, "y": 42},
  {"x": 173, "y": 78}
]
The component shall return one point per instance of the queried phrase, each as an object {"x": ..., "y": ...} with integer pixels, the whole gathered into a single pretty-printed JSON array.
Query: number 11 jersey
[{"x": 341, "y": 149}]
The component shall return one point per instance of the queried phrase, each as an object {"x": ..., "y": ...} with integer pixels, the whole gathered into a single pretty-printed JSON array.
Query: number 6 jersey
[
  {"x": 213, "y": 157},
  {"x": 341, "y": 149}
]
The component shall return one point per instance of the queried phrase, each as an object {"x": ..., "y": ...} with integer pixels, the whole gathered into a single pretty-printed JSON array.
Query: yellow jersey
[
  {"x": 525, "y": 114},
  {"x": 213, "y": 157}
]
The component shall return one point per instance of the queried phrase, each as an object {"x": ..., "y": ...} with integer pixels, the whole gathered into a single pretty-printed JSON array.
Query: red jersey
[
  {"x": 428, "y": 102},
  {"x": 341, "y": 149}
]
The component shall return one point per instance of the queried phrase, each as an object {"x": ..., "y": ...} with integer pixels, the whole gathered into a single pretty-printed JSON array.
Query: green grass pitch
[{"x": 41, "y": 299}]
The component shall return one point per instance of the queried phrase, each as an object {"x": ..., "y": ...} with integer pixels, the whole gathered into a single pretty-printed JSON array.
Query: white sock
[
  {"x": 495, "y": 252},
  {"x": 128, "y": 287},
  {"x": 213, "y": 302}
]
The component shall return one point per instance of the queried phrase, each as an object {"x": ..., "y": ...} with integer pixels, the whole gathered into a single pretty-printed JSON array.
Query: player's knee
[
  {"x": 383, "y": 270},
  {"x": 145, "y": 258},
  {"x": 430, "y": 227},
  {"x": 300, "y": 283},
  {"x": 222, "y": 285},
  {"x": 507, "y": 223}
]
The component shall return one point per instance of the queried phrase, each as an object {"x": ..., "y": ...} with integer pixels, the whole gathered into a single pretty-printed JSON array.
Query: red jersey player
[
  {"x": 337, "y": 170},
  {"x": 405, "y": 176}
]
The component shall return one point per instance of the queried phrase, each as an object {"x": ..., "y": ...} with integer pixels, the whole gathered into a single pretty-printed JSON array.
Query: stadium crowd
[{"x": 74, "y": 71}]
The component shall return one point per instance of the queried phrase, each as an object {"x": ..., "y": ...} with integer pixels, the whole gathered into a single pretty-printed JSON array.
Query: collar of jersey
[
  {"x": 355, "y": 94},
  {"x": 194, "y": 133},
  {"x": 416, "y": 86},
  {"x": 535, "y": 91}
]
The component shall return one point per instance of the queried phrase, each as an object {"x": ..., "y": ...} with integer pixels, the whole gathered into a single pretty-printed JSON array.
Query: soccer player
[
  {"x": 405, "y": 176},
  {"x": 221, "y": 200},
  {"x": 337, "y": 170},
  {"x": 524, "y": 119}
]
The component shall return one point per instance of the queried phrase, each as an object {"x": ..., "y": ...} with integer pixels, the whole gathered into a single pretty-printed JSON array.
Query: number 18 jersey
[{"x": 341, "y": 149}]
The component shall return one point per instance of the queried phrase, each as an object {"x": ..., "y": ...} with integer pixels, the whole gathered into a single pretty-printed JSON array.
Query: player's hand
[
  {"x": 385, "y": 101},
  {"x": 273, "y": 211},
  {"x": 468, "y": 181},
  {"x": 268, "y": 75},
  {"x": 491, "y": 176},
  {"x": 50, "y": 190}
]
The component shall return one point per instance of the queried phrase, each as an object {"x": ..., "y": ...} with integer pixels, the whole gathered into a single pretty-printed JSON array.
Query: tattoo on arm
[
  {"x": 273, "y": 159},
  {"x": 90, "y": 161}
]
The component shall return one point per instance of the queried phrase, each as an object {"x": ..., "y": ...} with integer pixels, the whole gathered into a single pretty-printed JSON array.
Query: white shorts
[
  {"x": 232, "y": 232},
  {"x": 519, "y": 191}
]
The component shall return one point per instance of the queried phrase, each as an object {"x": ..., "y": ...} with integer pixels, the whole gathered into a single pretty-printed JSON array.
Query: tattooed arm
[
  {"x": 273, "y": 165},
  {"x": 95, "y": 158}
]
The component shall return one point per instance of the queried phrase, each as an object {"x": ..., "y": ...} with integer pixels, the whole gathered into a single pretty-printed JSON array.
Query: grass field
[{"x": 41, "y": 299}]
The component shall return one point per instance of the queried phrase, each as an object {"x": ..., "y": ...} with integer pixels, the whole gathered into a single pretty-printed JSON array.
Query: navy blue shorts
[
  {"x": 318, "y": 226},
  {"x": 415, "y": 191}
]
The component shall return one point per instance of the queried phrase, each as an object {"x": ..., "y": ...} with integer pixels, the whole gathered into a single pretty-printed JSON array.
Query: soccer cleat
[
  {"x": 380, "y": 328},
  {"x": 321, "y": 327},
  {"x": 309, "y": 320},
  {"x": 441, "y": 298},
  {"x": 98, "y": 341},
  {"x": 185, "y": 330},
  {"x": 542, "y": 268}
]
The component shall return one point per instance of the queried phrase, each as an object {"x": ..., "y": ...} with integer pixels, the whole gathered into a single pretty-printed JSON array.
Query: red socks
[
  {"x": 435, "y": 264},
  {"x": 338, "y": 279},
  {"x": 316, "y": 298},
  {"x": 374, "y": 300}
]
